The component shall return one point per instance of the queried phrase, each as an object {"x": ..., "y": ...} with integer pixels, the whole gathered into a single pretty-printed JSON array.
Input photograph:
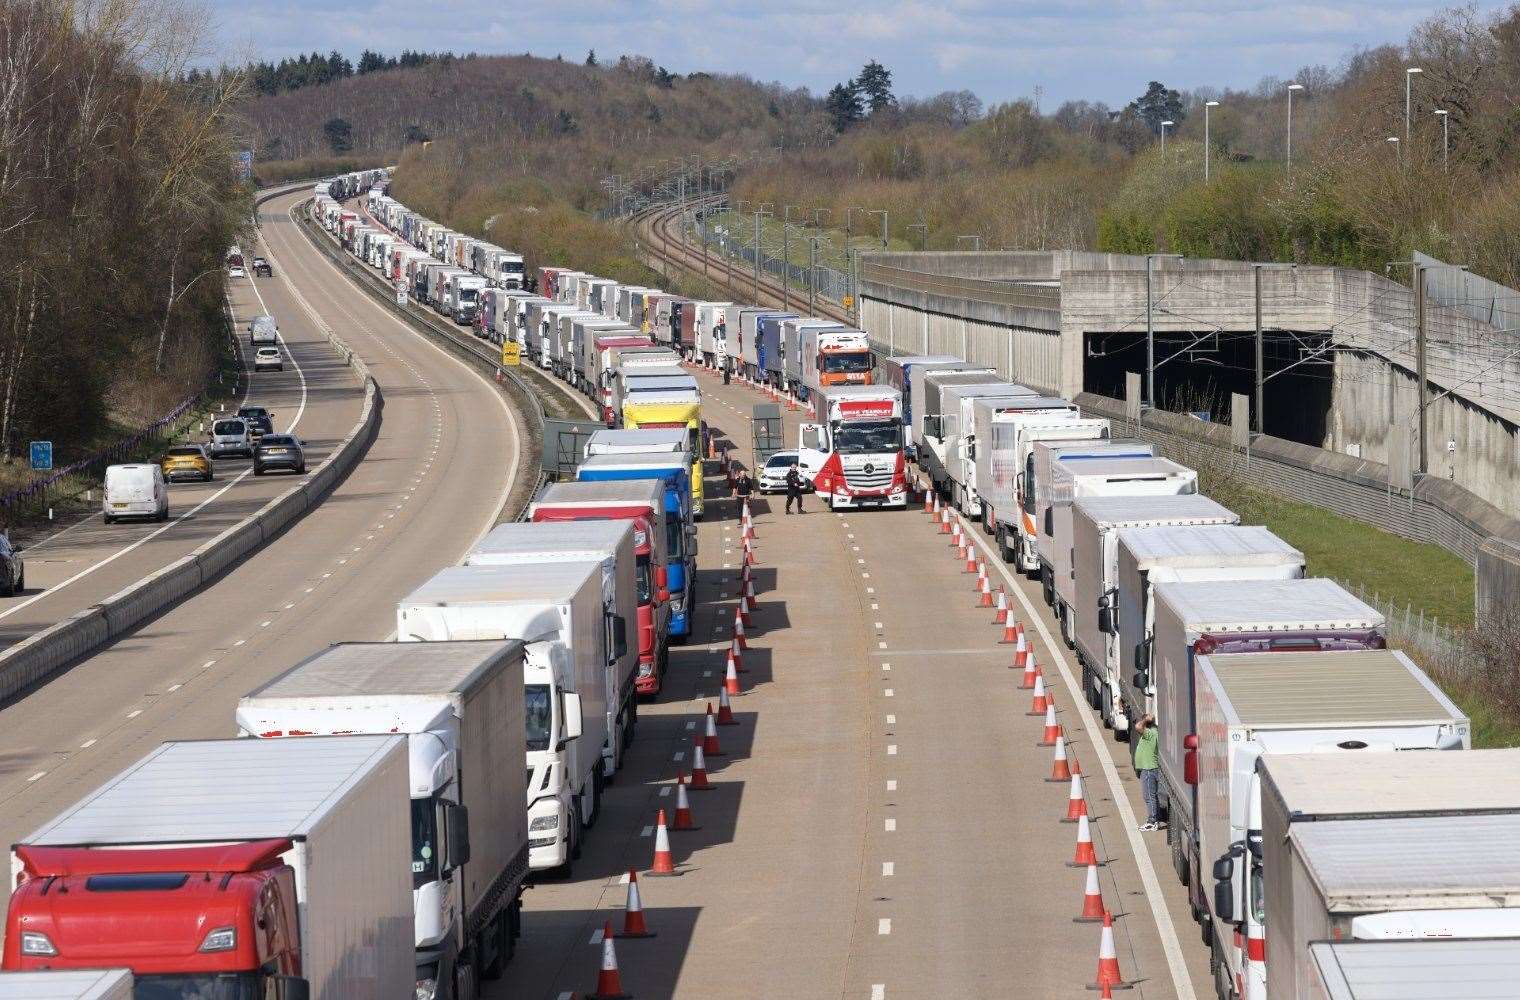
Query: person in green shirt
[{"x": 1146, "y": 765}]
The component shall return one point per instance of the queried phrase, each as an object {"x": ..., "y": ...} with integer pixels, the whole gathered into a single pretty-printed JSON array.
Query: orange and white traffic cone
[
  {"x": 710, "y": 737},
  {"x": 1015, "y": 635},
  {"x": 609, "y": 984},
  {"x": 1092, "y": 899},
  {"x": 1002, "y": 608},
  {"x": 683, "y": 821},
  {"x": 739, "y": 638},
  {"x": 928, "y": 507},
  {"x": 749, "y": 553},
  {"x": 1108, "y": 960},
  {"x": 944, "y": 517},
  {"x": 1076, "y": 802},
  {"x": 1085, "y": 854},
  {"x": 699, "y": 782},
  {"x": 725, "y": 709},
  {"x": 1040, "y": 701},
  {"x": 955, "y": 530},
  {"x": 1031, "y": 670},
  {"x": 749, "y": 587},
  {"x": 1060, "y": 769},
  {"x": 664, "y": 862},
  {"x": 1052, "y": 728},
  {"x": 986, "y": 590},
  {"x": 1011, "y": 637},
  {"x": 633, "y": 914},
  {"x": 731, "y": 678},
  {"x": 744, "y": 608},
  {"x": 737, "y": 656}
]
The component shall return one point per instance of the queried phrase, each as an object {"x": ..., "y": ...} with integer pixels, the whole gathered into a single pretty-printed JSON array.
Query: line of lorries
[
  {"x": 1302, "y": 764},
  {"x": 369, "y": 831}
]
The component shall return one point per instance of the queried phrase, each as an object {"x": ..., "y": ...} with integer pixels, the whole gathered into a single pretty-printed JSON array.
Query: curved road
[{"x": 433, "y": 480}]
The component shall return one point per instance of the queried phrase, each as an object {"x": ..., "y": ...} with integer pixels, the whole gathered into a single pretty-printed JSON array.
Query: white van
[
  {"x": 136, "y": 490},
  {"x": 263, "y": 330}
]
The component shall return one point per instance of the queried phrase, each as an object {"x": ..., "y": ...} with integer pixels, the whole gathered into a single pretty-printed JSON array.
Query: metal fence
[
  {"x": 1437, "y": 647},
  {"x": 826, "y": 282}
]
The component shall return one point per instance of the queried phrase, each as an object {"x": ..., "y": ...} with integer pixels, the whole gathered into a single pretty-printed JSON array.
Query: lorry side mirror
[
  {"x": 1190, "y": 759},
  {"x": 572, "y": 710},
  {"x": 291, "y": 988},
  {"x": 619, "y": 636},
  {"x": 1224, "y": 897},
  {"x": 1106, "y": 619},
  {"x": 1224, "y": 867},
  {"x": 1140, "y": 679},
  {"x": 456, "y": 820}
]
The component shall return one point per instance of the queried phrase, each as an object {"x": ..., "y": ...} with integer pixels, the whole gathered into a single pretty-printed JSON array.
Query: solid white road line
[{"x": 1176, "y": 964}]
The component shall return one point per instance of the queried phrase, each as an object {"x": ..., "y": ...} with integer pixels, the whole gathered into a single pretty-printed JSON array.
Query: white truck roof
[
  {"x": 221, "y": 790},
  {"x": 1267, "y": 605},
  {"x": 604, "y": 491},
  {"x": 1338, "y": 689},
  {"x": 352, "y": 671},
  {"x": 610, "y": 442},
  {"x": 1417, "y": 970},
  {"x": 1412, "y": 862},
  {"x": 1131, "y": 467},
  {"x": 536, "y": 584},
  {"x": 635, "y": 460},
  {"x": 1185, "y": 545},
  {"x": 67, "y": 984},
  {"x": 1149, "y": 510},
  {"x": 1382, "y": 784},
  {"x": 521, "y": 537}
]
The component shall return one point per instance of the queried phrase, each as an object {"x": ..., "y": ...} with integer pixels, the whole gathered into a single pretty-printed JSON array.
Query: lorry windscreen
[
  {"x": 200, "y": 986},
  {"x": 424, "y": 842},
  {"x": 868, "y": 438},
  {"x": 847, "y": 363},
  {"x": 467, "y": 294},
  {"x": 539, "y": 715}
]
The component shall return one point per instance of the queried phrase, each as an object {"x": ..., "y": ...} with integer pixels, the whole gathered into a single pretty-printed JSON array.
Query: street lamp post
[
  {"x": 1164, "y": 126},
  {"x": 1409, "y": 75},
  {"x": 1206, "y": 147},
  {"x": 923, "y": 235},
  {"x": 1291, "y": 88},
  {"x": 1445, "y": 139}
]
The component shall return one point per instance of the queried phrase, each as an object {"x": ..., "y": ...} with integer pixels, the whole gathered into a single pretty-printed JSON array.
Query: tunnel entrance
[{"x": 1198, "y": 372}]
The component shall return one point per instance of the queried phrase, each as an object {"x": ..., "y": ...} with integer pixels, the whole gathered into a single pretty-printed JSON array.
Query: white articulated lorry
[
  {"x": 1004, "y": 475},
  {"x": 997, "y": 421},
  {"x": 610, "y": 544},
  {"x": 1379, "y": 846},
  {"x": 230, "y": 868},
  {"x": 928, "y": 402},
  {"x": 1100, "y": 477},
  {"x": 82, "y": 984},
  {"x": 1250, "y": 704},
  {"x": 854, "y": 454},
  {"x": 557, "y": 610},
  {"x": 460, "y": 707},
  {"x": 1175, "y": 553},
  {"x": 1095, "y": 526},
  {"x": 943, "y": 450},
  {"x": 1452, "y": 969},
  {"x": 1039, "y": 470},
  {"x": 1233, "y": 616}
]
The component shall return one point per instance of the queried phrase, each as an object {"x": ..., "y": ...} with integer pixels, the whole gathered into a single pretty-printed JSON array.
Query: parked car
[
  {"x": 136, "y": 490},
  {"x": 773, "y": 472},
  {"x": 268, "y": 357},
  {"x": 230, "y": 436},
  {"x": 261, "y": 268},
  {"x": 188, "y": 461},
  {"x": 279, "y": 451},
  {"x": 12, "y": 569}
]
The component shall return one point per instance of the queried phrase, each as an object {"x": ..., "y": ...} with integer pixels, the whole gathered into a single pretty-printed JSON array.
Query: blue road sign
[{"x": 42, "y": 456}]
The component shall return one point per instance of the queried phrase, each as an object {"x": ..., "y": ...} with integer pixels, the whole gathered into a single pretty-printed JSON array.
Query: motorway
[
  {"x": 433, "y": 480},
  {"x": 882, "y": 826}
]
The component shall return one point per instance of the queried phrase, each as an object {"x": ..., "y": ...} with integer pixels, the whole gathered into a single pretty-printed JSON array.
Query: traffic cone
[
  {"x": 664, "y": 863},
  {"x": 1015, "y": 635},
  {"x": 955, "y": 529},
  {"x": 749, "y": 587},
  {"x": 986, "y": 588},
  {"x": 633, "y": 913},
  {"x": 1010, "y": 638},
  {"x": 1092, "y": 899},
  {"x": 683, "y": 821},
  {"x": 944, "y": 517},
  {"x": 1085, "y": 854},
  {"x": 749, "y": 553},
  {"x": 928, "y": 507},
  {"x": 1031, "y": 671},
  {"x": 1076, "y": 804},
  {"x": 971, "y": 561},
  {"x": 1052, "y": 729},
  {"x": 710, "y": 737},
  {"x": 738, "y": 656},
  {"x": 609, "y": 984},
  {"x": 1001, "y": 617},
  {"x": 699, "y": 782},
  {"x": 725, "y": 710},
  {"x": 1108, "y": 960},
  {"x": 1038, "y": 707},
  {"x": 744, "y": 608},
  {"x": 730, "y": 678},
  {"x": 739, "y": 630},
  {"x": 1060, "y": 768}
]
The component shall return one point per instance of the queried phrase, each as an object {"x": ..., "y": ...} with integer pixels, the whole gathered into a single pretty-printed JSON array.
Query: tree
[
  {"x": 591, "y": 58},
  {"x": 844, "y": 105},
  {"x": 1156, "y": 105},
  {"x": 340, "y": 135},
  {"x": 565, "y": 123},
  {"x": 875, "y": 84},
  {"x": 415, "y": 134},
  {"x": 370, "y": 62}
]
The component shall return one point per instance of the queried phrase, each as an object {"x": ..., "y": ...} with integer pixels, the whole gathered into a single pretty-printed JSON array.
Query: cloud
[{"x": 1104, "y": 50}]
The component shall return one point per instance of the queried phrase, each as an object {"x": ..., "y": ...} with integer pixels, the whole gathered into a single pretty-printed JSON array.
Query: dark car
[
  {"x": 12, "y": 569},
  {"x": 260, "y": 420},
  {"x": 279, "y": 451},
  {"x": 261, "y": 267}
]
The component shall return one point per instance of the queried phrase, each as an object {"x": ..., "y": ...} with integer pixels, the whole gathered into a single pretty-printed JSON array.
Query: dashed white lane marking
[
  {"x": 647, "y": 831},
  {"x": 665, "y": 792},
  {"x": 88, "y": 743},
  {"x": 891, "y": 825},
  {"x": 878, "y": 992},
  {"x": 207, "y": 664},
  {"x": 881, "y": 645},
  {"x": 265, "y": 624},
  {"x": 870, "y": 590},
  {"x": 240, "y": 642},
  {"x": 175, "y": 687},
  {"x": 596, "y": 936},
  {"x": 37, "y": 777},
  {"x": 134, "y": 713},
  {"x": 887, "y": 667},
  {"x": 891, "y": 720},
  {"x": 891, "y": 784},
  {"x": 878, "y": 625},
  {"x": 865, "y": 576},
  {"x": 887, "y": 693},
  {"x": 888, "y": 869},
  {"x": 891, "y": 749},
  {"x": 679, "y": 755},
  {"x": 884, "y": 926},
  {"x": 690, "y": 726}
]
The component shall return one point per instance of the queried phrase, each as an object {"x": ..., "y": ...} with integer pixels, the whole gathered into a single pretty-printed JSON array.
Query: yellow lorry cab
[{"x": 658, "y": 426}]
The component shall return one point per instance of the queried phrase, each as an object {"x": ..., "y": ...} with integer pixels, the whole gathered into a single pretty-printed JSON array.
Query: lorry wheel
[
  {"x": 593, "y": 812},
  {"x": 464, "y": 982}
]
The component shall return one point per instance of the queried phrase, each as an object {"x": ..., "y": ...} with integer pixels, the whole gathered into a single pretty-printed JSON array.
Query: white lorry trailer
[
  {"x": 307, "y": 838},
  {"x": 986, "y": 416},
  {"x": 1174, "y": 553},
  {"x": 1460, "y": 969},
  {"x": 557, "y": 610},
  {"x": 942, "y": 451},
  {"x": 460, "y": 707},
  {"x": 1095, "y": 526},
  {"x": 1043, "y": 457},
  {"x": 609, "y": 544},
  {"x": 82, "y": 984},
  {"x": 710, "y": 331},
  {"x": 1233, "y": 616},
  {"x": 1250, "y": 704},
  {"x": 1004, "y": 456},
  {"x": 929, "y": 402},
  {"x": 1378, "y": 846}
]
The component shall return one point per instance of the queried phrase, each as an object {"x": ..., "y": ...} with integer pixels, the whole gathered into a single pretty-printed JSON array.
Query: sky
[{"x": 999, "y": 49}]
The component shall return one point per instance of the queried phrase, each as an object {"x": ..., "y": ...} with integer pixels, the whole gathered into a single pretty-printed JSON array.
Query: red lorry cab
[{"x": 172, "y": 915}]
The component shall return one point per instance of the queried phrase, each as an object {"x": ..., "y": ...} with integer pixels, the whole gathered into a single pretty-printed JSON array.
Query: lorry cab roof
[
  {"x": 1337, "y": 689},
  {"x": 1148, "y": 510},
  {"x": 533, "y": 584},
  {"x": 1204, "y": 544},
  {"x": 1348, "y": 785},
  {"x": 1265, "y": 605}
]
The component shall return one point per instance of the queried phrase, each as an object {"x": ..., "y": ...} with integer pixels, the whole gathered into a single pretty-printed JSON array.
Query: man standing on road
[
  {"x": 742, "y": 486},
  {"x": 1147, "y": 764},
  {"x": 793, "y": 489}
]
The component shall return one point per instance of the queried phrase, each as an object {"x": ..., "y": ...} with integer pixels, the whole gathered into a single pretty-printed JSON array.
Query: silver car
[{"x": 230, "y": 436}]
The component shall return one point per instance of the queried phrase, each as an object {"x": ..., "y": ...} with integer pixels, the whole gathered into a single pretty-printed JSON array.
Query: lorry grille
[{"x": 878, "y": 478}]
